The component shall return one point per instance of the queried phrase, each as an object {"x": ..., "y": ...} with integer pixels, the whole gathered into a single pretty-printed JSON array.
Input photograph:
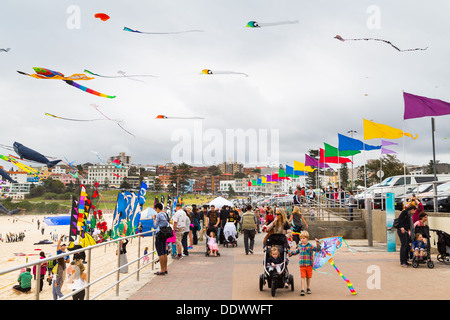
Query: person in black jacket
[{"x": 405, "y": 233}]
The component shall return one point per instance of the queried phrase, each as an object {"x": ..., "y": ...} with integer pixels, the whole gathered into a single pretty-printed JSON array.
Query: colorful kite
[
  {"x": 254, "y": 24},
  {"x": 69, "y": 119},
  {"x": 79, "y": 86},
  {"x": 102, "y": 16},
  {"x": 118, "y": 122},
  {"x": 207, "y": 71},
  {"x": 6, "y": 50},
  {"x": 176, "y": 32},
  {"x": 166, "y": 117},
  {"x": 6, "y": 176},
  {"x": 338, "y": 37},
  {"x": 42, "y": 73},
  {"x": 31, "y": 155},
  {"x": 328, "y": 247},
  {"x": 21, "y": 165}
]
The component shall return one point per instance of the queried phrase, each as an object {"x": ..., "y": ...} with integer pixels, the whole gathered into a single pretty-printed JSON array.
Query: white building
[
  {"x": 225, "y": 185},
  {"x": 107, "y": 174}
]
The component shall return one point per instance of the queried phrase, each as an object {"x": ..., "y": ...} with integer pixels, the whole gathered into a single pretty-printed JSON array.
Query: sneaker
[
  {"x": 250, "y": 250},
  {"x": 404, "y": 266},
  {"x": 308, "y": 291},
  {"x": 302, "y": 293},
  {"x": 190, "y": 248}
]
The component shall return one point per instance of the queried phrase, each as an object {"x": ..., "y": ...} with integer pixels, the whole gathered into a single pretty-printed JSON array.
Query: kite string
[{"x": 349, "y": 284}]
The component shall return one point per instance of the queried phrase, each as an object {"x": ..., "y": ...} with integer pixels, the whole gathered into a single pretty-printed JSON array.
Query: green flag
[{"x": 331, "y": 151}]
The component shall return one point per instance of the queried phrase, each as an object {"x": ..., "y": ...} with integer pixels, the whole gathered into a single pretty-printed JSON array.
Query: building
[
  {"x": 122, "y": 157},
  {"x": 231, "y": 167},
  {"x": 163, "y": 171},
  {"x": 224, "y": 185},
  {"x": 107, "y": 175}
]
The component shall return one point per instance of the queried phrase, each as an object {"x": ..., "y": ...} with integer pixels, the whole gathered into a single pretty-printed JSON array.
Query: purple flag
[
  {"x": 312, "y": 162},
  {"x": 387, "y": 151},
  {"x": 385, "y": 143},
  {"x": 418, "y": 107}
]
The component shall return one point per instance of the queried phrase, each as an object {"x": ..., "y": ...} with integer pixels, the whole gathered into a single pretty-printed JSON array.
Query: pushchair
[
  {"x": 208, "y": 232},
  {"x": 274, "y": 279},
  {"x": 230, "y": 235},
  {"x": 416, "y": 261},
  {"x": 443, "y": 246}
]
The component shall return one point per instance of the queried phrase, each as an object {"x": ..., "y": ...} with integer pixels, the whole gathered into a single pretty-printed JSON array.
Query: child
[
  {"x": 305, "y": 251},
  {"x": 419, "y": 246},
  {"x": 146, "y": 258},
  {"x": 212, "y": 243},
  {"x": 274, "y": 261}
]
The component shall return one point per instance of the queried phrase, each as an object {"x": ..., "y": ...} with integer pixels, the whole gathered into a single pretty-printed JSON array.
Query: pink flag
[
  {"x": 418, "y": 107},
  {"x": 385, "y": 143},
  {"x": 387, "y": 151}
]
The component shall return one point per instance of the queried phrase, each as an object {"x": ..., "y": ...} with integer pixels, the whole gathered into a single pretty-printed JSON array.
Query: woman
[
  {"x": 188, "y": 233},
  {"x": 58, "y": 278},
  {"x": 296, "y": 221},
  {"x": 43, "y": 271},
  {"x": 405, "y": 231},
  {"x": 351, "y": 203},
  {"x": 279, "y": 223}
]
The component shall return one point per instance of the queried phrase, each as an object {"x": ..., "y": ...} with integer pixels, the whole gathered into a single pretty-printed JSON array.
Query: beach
[{"x": 104, "y": 259}]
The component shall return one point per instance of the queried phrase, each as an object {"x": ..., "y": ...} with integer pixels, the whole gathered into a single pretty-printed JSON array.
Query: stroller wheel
[
  {"x": 291, "y": 281},
  {"x": 261, "y": 282},
  {"x": 415, "y": 264},
  {"x": 430, "y": 264}
]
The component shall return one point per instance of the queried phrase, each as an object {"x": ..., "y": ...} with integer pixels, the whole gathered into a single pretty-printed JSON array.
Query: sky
[{"x": 303, "y": 85}]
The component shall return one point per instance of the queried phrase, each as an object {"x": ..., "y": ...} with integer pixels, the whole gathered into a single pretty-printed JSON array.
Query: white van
[{"x": 396, "y": 184}]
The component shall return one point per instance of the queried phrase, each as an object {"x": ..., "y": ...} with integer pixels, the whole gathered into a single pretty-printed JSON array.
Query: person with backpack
[
  {"x": 161, "y": 220},
  {"x": 249, "y": 227},
  {"x": 405, "y": 232}
]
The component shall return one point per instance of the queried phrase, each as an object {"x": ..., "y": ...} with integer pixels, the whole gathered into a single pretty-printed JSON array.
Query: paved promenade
[{"x": 374, "y": 273}]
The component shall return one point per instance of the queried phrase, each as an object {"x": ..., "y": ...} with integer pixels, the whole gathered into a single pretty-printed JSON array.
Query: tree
[
  {"x": 311, "y": 179},
  {"x": 391, "y": 167},
  {"x": 430, "y": 167},
  {"x": 125, "y": 184},
  {"x": 179, "y": 176},
  {"x": 344, "y": 175},
  {"x": 231, "y": 192}
]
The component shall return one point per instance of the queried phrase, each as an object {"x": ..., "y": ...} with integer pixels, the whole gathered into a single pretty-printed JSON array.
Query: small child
[
  {"x": 274, "y": 261},
  {"x": 212, "y": 243},
  {"x": 305, "y": 251},
  {"x": 146, "y": 258},
  {"x": 419, "y": 246}
]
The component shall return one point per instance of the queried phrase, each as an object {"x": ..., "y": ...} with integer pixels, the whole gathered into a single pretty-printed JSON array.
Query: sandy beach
[{"x": 104, "y": 259}]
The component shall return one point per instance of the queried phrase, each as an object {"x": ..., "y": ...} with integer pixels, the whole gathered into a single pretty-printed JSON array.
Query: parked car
[
  {"x": 443, "y": 192},
  {"x": 418, "y": 191}
]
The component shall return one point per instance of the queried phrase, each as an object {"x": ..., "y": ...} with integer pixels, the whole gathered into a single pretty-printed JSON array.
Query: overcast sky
[{"x": 301, "y": 82}]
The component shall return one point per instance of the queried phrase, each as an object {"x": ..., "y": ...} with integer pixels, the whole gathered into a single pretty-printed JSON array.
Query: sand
[{"x": 104, "y": 260}]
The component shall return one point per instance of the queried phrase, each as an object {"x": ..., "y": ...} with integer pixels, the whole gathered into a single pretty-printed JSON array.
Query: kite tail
[
  {"x": 349, "y": 284},
  {"x": 79, "y": 86}
]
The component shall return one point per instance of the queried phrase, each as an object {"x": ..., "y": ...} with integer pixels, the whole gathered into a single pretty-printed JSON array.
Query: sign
[
  {"x": 390, "y": 216},
  {"x": 380, "y": 174}
]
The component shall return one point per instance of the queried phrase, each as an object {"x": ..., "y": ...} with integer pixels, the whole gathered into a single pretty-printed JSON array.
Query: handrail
[{"x": 89, "y": 260}]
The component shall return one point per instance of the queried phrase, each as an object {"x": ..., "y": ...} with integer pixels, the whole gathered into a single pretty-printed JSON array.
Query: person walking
[
  {"x": 405, "y": 232},
  {"x": 58, "y": 278},
  {"x": 296, "y": 221},
  {"x": 179, "y": 226},
  {"x": 42, "y": 272},
  {"x": 249, "y": 227}
]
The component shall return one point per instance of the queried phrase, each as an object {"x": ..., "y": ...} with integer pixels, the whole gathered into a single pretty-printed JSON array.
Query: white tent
[{"x": 219, "y": 202}]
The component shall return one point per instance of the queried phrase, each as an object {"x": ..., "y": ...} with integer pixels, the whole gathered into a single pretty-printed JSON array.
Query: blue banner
[{"x": 390, "y": 216}]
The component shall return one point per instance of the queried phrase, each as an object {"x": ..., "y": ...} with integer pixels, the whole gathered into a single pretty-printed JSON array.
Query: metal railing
[{"x": 89, "y": 261}]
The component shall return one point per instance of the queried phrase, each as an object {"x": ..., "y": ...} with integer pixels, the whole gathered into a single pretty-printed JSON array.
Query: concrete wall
[{"x": 440, "y": 221}]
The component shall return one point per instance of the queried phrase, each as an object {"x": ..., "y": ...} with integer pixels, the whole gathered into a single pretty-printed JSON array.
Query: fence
[{"x": 149, "y": 235}]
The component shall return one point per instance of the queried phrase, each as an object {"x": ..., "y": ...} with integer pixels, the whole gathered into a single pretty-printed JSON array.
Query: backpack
[{"x": 296, "y": 200}]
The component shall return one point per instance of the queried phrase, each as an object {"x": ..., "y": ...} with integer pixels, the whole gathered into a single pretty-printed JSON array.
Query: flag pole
[
  {"x": 404, "y": 160},
  {"x": 434, "y": 165}
]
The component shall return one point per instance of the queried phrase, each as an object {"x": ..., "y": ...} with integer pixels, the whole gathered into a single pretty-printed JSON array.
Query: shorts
[
  {"x": 179, "y": 236},
  {"x": 306, "y": 272},
  {"x": 160, "y": 248}
]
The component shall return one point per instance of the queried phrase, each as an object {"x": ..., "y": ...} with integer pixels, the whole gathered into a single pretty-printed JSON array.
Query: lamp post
[{"x": 352, "y": 132}]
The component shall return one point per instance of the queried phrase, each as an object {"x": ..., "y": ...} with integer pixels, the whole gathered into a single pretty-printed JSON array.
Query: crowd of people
[{"x": 12, "y": 237}]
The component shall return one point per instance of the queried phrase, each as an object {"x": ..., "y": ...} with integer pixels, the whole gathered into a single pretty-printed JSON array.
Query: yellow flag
[
  {"x": 374, "y": 130},
  {"x": 263, "y": 179},
  {"x": 300, "y": 166}
]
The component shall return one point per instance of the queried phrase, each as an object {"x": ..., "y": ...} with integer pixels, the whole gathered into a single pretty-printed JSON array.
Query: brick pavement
[{"x": 374, "y": 273}]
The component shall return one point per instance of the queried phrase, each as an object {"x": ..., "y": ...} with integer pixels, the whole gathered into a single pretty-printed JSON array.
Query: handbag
[
  {"x": 396, "y": 223},
  {"x": 164, "y": 232}
]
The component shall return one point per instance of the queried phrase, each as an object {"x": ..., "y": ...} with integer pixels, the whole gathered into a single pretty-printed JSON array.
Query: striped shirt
[{"x": 305, "y": 253}]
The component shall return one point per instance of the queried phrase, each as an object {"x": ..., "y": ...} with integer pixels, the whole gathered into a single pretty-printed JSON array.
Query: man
[
  {"x": 249, "y": 226},
  {"x": 213, "y": 218},
  {"x": 224, "y": 215},
  {"x": 61, "y": 248},
  {"x": 179, "y": 226},
  {"x": 160, "y": 220},
  {"x": 24, "y": 281}
]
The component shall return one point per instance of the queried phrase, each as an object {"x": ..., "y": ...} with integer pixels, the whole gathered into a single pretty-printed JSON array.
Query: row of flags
[{"x": 415, "y": 107}]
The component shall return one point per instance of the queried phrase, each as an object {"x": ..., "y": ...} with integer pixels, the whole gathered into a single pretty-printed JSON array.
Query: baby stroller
[
  {"x": 274, "y": 279},
  {"x": 443, "y": 246},
  {"x": 208, "y": 232},
  {"x": 425, "y": 232},
  {"x": 230, "y": 234}
]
